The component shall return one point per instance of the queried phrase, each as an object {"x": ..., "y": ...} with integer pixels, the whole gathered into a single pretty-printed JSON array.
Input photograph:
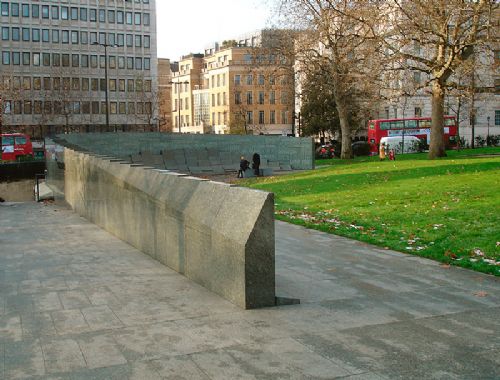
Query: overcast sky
[{"x": 209, "y": 21}]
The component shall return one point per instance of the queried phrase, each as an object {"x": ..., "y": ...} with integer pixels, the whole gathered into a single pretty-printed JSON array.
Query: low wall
[
  {"x": 298, "y": 152},
  {"x": 17, "y": 191},
  {"x": 220, "y": 236}
]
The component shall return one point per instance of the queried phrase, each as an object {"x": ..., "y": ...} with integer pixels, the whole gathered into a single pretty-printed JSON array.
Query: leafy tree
[
  {"x": 436, "y": 38},
  {"x": 319, "y": 112},
  {"x": 340, "y": 38}
]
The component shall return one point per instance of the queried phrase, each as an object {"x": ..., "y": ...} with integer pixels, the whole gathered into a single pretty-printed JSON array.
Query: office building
[{"x": 53, "y": 60}]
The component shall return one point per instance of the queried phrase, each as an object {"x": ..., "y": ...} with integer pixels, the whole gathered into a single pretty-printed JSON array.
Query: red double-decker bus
[
  {"x": 16, "y": 147},
  {"x": 418, "y": 126}
]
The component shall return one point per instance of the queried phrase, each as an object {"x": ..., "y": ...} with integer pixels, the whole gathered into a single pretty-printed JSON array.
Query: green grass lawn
[{"x": 446, "y": 209}]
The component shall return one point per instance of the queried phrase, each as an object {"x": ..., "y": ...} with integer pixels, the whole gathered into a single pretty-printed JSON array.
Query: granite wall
[
  {"x": 297, "y": 152},
  {"x": 218, "y": 235}
]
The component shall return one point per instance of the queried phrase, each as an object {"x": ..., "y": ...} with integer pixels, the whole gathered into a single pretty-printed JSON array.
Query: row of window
[
  {"x": 220, "y": 80},
  {"x": 220, "y": 99},
  {"x": 76, "y": 84},
  {"x": 262, "y": 117},
  {"x": 74, "y": 37},
  {"x": 75, "y": 60},
  {"x": 261, "y": 79},
  {"x": 39, "y": 107},
  {"x": 221, "y": 118},
  {"x": 56, "y": 12},
  {"x": 260, "y": 100}
]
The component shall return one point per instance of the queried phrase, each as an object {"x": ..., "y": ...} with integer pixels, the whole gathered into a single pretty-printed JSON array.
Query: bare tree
[
  {"x": 339, "y": 37},
  {"x": 446, "y": 32}
]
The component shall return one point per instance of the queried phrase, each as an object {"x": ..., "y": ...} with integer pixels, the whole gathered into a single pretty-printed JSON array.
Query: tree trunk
[
  {"x": 437, "y": 148},
  {"x": 346, "y": 152},
  {"x": 345, "y": 128}
]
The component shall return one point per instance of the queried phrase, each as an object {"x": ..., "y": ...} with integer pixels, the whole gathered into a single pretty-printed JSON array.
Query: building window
[
  {"x": 272, "y": 117},
  {"x": 237, "y": 79},
  {"x": 5, "y": 9},
  {"x": 14, "y": 10},
  {"x": 5, "y": 58},
  {"x": 272, "y": 97},
  {"x": 26, "y": 34},
  {"x": 55, "y": 12},
  {"x": 37, "y": 83},
  {"x": 45, "y": 11},
  {"x": 261, "y": 117},
  {"x": 46, "y": 59},
  {"x": 5, "y": 33},
  {"x": 26, "y": 59},
  {"x": 249, "y": 79},
  {"x": 418, "y": 112},
  {"x": 250, "y": 117},
  {"x": 284, "y": 117},
  {"x": 261, "y": 97},
  {"x": 497, "y": 117},
  {"x": 249, "y": 97},
  {"x": 65, "y": 36}
]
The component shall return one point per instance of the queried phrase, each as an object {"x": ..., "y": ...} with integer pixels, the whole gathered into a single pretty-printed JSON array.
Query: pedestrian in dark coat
[
  {"x": 256, "y": 163},
  {"x": 244, "y": 164}
]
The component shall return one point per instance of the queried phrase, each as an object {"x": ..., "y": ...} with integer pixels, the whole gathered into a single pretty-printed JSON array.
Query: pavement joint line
[
  {"x": 43, "y": 356},
  {"x": 81, "y": 352}
]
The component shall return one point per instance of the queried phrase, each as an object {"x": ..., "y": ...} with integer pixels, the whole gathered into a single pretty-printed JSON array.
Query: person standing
[
  {"x": 392, "y": 155},
  {"x": 243, "y": 166},
  {"x": 381, "y": 152},
  {"x": 256, "y": 163}
]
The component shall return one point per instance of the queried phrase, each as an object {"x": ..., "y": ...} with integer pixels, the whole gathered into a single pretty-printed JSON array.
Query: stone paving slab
[{"x": 77, "y": 303}]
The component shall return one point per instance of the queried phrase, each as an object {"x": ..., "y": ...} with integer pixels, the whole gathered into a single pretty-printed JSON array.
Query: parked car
[
  {"x": 325, "y": 151},
  {"x": 359, "y": 148},
  {"x": 412, "y": 144}
]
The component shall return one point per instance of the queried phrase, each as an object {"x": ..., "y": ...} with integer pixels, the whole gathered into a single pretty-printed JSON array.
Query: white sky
[{"x": 208, "y": 22}]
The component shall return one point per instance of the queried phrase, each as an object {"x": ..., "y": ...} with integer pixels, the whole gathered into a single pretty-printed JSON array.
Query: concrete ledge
[{"x": 220, "y": 236}]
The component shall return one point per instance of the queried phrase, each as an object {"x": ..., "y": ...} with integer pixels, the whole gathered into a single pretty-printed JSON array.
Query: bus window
[
  {"x": 21, "y": 140},
  {"x": 397, "y": 125},
  {"x": 449, "y": 122},
  {"x": 7, "y": 140},
  {"x": 424, "y": 123},
  {"x": 371, "y": 126},
  {"x": 411, "y": 124},
  {"x": 384, "y": 125}
]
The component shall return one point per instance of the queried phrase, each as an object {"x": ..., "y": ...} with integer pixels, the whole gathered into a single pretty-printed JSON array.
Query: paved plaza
[{"x": 77, "y": 303}]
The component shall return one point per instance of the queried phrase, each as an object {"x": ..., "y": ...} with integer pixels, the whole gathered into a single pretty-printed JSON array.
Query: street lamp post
[
  {"x": 488, "y": 135},
  {"x": 105, "y": 78},
  {"x": 179, "y": 101}
]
